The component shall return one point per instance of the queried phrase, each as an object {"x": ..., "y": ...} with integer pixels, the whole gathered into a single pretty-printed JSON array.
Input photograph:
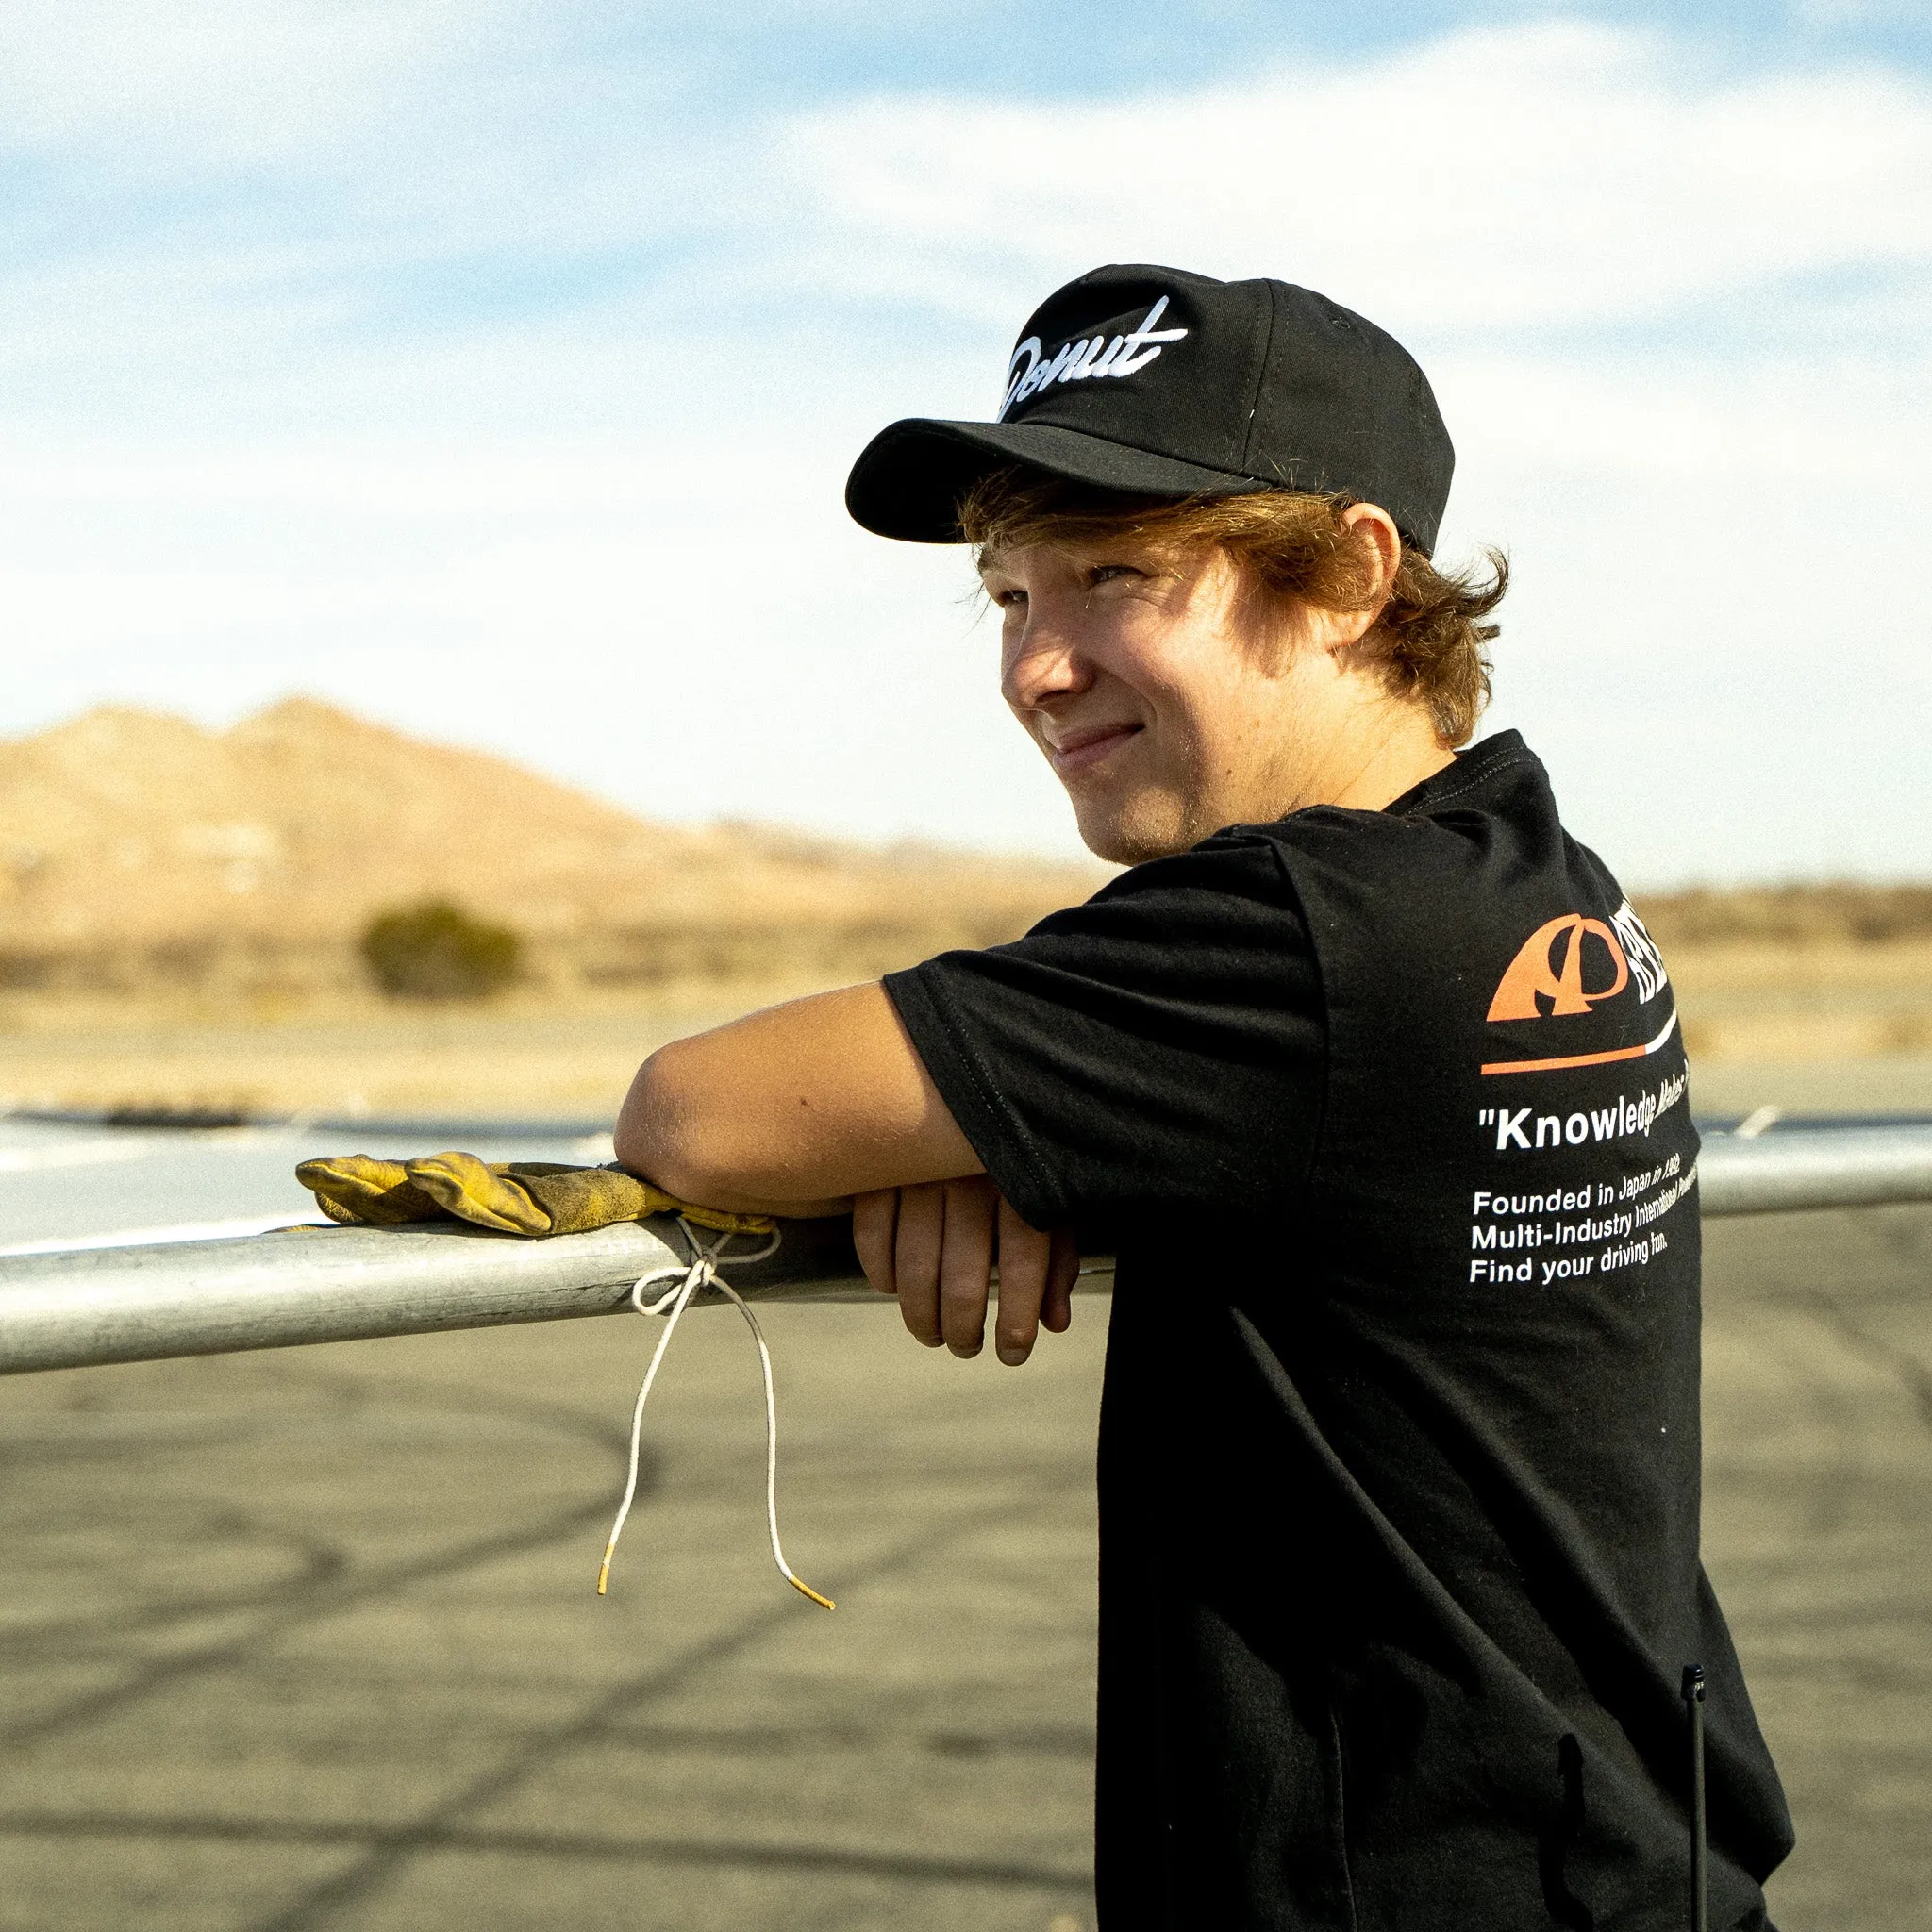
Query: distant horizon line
[{"x": 884, "y": 845}]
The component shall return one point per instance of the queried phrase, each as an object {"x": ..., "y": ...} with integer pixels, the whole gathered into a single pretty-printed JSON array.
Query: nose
[{"x": 1041, "y": 665}]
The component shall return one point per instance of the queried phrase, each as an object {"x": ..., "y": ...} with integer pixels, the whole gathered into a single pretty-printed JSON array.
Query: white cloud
[
  {"x": 1506, "y": 181},
  {"x": 222, "y": 83}
]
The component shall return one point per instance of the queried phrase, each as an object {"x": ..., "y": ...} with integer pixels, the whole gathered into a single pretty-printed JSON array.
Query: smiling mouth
[{"x": 1085, "y": 750}]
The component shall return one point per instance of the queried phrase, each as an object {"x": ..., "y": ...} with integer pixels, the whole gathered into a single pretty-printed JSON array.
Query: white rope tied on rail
[{"x": 700, "y": 1274}]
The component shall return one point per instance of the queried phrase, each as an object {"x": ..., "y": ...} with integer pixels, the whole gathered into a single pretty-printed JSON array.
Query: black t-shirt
[{"x": 1385, "y": 1115}]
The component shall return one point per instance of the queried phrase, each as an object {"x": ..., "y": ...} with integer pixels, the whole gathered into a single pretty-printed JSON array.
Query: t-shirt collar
[{"x": 1470, "y": 768}]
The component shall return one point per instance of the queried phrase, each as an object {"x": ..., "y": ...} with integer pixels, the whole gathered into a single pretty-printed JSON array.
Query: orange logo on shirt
[{"x": 1550, "y": 966}]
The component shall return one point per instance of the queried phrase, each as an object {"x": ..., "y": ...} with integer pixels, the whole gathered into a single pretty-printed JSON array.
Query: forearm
[{"x": 792, "y": 1110}]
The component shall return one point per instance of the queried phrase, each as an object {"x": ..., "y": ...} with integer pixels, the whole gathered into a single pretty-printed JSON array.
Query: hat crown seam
[{"x": 1261, "y": 382}]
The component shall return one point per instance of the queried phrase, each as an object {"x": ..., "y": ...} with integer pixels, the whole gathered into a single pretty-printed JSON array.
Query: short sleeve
[{"x": 1161, "y": 1048}]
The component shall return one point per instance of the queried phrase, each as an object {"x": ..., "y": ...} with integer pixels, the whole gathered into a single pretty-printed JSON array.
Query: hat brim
[{"x": 909, "y": 478}]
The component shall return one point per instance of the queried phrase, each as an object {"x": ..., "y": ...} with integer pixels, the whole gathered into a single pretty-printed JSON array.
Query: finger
[
  {"x": 1024, "y": 1257},
  {"x": 1056, "y": 1309},
  {"x": 966, "y": 1265},
  {"x": 916, "y": 1245},
  {"x": 874, "y": 1229}
]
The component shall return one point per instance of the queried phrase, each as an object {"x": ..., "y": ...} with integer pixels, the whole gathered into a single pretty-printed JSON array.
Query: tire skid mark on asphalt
[
  {"x": 352, "y": 1592},
  {"x": 1875, "y": 1615},
  {"x": 356, "y": 1394},
  {"x": 318, "y": 1906},
  {"x": 1066, "y": 1742},
  {"x": 1829, "y": 1495},
  {"x": 1817, "y": 1670},
  {"x": 645, "y": 1849},
  {"x": 324, "y": 1564},
  {"x": 1900, "y": 1364},
  {"x": 361, "y": 1391}
]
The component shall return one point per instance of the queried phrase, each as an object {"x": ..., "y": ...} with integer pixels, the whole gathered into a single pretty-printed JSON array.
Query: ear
[
  {"x": 1372, "y": 527},
  {"x": 1371, "y": 524}
]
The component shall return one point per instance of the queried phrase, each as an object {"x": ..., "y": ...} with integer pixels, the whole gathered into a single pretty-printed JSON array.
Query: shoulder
[
  {"x": 1229, "y": 895},
  {"x": 1243, "y": 862},
  {"x": 1448, "y": 884},
  {"x": 1224, "y": 911},
  {"x": 1492, "y": 811}
]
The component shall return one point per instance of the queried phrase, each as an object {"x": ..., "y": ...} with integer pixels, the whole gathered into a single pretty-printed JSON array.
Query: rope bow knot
[{"x": 688, "y": 1280}]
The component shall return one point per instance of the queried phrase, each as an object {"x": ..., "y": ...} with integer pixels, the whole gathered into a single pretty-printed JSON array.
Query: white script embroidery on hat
[{"x": 1089, "y": 357}]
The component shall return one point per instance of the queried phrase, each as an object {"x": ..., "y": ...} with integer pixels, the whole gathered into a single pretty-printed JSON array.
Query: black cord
[{"x": 1693, "y": 1702}]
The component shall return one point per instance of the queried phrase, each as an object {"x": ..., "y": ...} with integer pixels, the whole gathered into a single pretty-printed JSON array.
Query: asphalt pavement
[{"x": 308, "y": 1638}]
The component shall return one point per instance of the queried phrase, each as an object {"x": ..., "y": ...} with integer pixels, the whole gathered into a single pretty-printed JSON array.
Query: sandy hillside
[{"x": 136, "y": 844}]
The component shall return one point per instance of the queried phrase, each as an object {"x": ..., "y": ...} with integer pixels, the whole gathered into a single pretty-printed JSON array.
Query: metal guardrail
[
  {"x": 346, "y": 1284},
  {"x": 343, "y": 1284},
  {"x": 1786, "y": 1172}
]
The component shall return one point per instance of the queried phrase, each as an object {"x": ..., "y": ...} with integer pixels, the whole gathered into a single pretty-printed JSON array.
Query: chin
[{"x": 1132, "y": 833}]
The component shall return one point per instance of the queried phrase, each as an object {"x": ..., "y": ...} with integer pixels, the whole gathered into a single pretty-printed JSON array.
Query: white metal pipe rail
[{"x": 343, "y": 1284}]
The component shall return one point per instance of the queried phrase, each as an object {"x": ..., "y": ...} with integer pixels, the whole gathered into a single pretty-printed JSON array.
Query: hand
[{"x": 934, "y": 1246}]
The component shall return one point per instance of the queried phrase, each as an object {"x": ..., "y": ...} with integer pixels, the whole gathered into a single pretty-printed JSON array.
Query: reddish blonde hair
[{"x": 1430, "y": 636}]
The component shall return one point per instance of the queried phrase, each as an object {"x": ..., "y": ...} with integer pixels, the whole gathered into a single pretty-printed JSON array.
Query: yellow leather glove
[{"x": 526, "y": 1197}]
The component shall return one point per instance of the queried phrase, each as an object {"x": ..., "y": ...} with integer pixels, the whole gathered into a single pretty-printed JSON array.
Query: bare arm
[
  {"x": 821, "y": 1104},
  {"x": 792, "y": 1110}
]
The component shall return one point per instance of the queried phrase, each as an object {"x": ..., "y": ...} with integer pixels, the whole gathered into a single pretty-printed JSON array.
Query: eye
[
  {"x": 1107, "y": 573},
  {"x": 1008, "y": 599}
]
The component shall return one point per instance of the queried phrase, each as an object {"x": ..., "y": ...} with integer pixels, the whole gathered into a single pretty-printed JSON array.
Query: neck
[{"x": 1373, "y": 765}]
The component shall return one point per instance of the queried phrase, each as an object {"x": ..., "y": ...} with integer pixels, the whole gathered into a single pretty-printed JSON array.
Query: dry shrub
[{"x": 437, "y": 950}]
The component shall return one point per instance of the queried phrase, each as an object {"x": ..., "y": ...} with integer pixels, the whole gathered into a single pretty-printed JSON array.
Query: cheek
[
  {"x": 1190, "y": 709},
  {"x": 1182, "y": 666},
  {"x": 1149, "y": 671}
]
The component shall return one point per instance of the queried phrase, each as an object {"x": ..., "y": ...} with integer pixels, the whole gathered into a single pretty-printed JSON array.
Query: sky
[{"x": 492, "y": 368}]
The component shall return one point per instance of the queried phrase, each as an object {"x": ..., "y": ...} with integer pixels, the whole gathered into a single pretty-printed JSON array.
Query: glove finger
[
  {"x": 361, "y": 1190},
  {"x": 720, "y": 1220},
  {"x": 462, "y": 1185},
  {"x": 580, "y": 1198}
]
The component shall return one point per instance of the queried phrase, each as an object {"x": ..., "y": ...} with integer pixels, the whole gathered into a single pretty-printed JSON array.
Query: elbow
[{"x": 661, "y": 1135}]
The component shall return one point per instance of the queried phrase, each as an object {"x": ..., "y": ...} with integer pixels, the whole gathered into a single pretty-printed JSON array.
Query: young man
[{"x": 1371, "y": 1078}]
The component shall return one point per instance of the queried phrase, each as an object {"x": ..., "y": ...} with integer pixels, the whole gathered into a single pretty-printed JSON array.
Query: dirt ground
[
  {"x": 512, "y": 1059},
  {"x": 1818, "y": 1030},
  {"x": 1743, "y": 1003}
]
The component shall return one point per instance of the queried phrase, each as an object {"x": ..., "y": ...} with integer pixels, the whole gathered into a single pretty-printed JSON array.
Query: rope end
[
  {"x": 604, "y": 1571},
  {"x": 824, "y": 1603}
]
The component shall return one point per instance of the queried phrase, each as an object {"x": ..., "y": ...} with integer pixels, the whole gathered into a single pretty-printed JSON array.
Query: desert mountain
[{"x": 128, "y": 831}]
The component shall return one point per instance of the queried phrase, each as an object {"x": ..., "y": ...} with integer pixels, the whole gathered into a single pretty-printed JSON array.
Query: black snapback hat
[{"x": 1160, "y": 383}]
